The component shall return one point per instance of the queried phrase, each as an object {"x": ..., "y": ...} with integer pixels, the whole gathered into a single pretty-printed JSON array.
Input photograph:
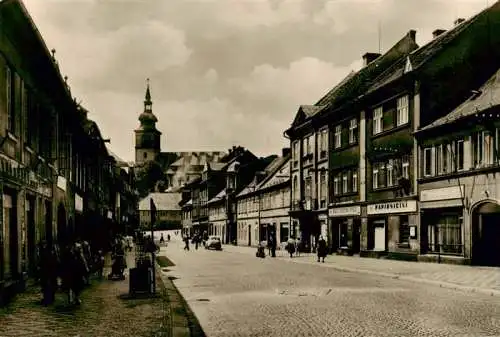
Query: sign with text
[
  {"x": 403, "y": 206},
  {"x": 344, "y": 211},
  {"x": 445, "y": 193}
]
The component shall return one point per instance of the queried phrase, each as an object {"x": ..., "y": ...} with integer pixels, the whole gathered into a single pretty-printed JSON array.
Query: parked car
[{"x": 214, "y": 242}]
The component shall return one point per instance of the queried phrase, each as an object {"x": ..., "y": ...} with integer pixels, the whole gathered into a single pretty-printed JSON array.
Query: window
[
  {"x": 353, "y": 131},
  {"x": 427, "y": 162},
  {"x": 445, "y": 234},
  {"x": 10, "y": 95},
  {"x": 354, "y": 181},
  {"x": 336, "y": 186},
  {"x": 459, "y": 155},
  {"x": 308, "y": 187},
  {"x": 483, "y": 149},
  {"x": 405, "y": 168},
  {"x": 338, "y": 136},
  {"x": 345, "y": 186},
  {"x": 145, "y": 155},
  {"x": 296, "y": 188},
  {"x": 322, "y": 189},
  {"x": 404, "y": 229},
  {"x": 375, "y": 178},
  {"x": 310, "y": 144},
  {"x": 295, "y": 153},
  {"x": 284, "y": 231},
  {"x": 402, "y": 111},
  {"x": 378, "y": 115},
  {"x": 390, "y": 173},
  {"x": 323, "y": 143}
]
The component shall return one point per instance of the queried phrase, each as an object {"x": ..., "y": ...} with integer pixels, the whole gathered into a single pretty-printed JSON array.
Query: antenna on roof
[{"x": 379, "y": 36}]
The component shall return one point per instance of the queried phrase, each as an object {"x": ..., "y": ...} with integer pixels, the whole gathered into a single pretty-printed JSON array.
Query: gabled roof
[
  {"x": 356, "y": 84},
  {"x": 219, "y": 197},
  {"x": 168, "y": 201},
  {"x": 269, "y": 172},
  {"x": 280, "y": 173},
  {"x": 305, "y": 112},
  {"x": 487, "y": 96},
  {"x": 424, "y": 54}
]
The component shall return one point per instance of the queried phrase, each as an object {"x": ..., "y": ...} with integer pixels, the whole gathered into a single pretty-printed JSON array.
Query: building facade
[
  {"x": 168, "y": 211},
  {"x": 53, "y": 160},
  {"x": 459, "y": 186}
]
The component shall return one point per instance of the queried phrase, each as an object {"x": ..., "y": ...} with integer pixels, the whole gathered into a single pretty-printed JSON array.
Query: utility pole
[{"x": 153, "y": 246}]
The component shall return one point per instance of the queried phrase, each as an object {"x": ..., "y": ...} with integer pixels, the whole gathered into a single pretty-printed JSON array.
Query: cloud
[{"x": 303, "y": 81}]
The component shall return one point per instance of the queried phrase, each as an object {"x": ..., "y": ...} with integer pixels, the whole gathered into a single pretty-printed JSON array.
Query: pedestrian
[
  {"x": 272, "y": 244},
  {"x": 290, "y": 247},
  {"x": 321, "y": 249},
  {"x": 186, "y": 243},
  {"x": 162, "y": 240},
  {"x": 196, "y": 241},
  {"x": 168, "y": 237},
  {"x": 48, "y": 273}
]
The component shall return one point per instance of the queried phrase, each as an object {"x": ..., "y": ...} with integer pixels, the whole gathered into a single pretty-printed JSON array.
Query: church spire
[{"x": 148, "y": 104}]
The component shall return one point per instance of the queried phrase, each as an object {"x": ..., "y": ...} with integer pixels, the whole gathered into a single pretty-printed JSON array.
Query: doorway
[
  {"x": 356, "y": 236},
  {"x": 486, "y": 235},
  {"x": 249, "y": 235},
  {"x": 9, "y": 236},
  {"x": 48, "y": 222},
  {"x": 31, "y": 234},
  {"x": 61, "y": 224}
]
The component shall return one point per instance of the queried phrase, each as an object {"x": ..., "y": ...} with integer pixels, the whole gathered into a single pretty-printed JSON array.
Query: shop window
[
  {"x": 284, "y": 232},
  {"x": 404, "y": 229},
  {"x": 444, "y": 236}
]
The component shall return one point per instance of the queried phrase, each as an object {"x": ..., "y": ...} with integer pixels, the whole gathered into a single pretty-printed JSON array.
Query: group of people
[
  {"x": 68, "y": 266},
  {"x": 197, "y": 239},
  {"x": 293, "y": 247}
]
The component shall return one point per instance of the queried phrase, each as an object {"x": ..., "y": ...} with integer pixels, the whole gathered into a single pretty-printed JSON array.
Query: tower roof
[{"x": 147, "y": 117}]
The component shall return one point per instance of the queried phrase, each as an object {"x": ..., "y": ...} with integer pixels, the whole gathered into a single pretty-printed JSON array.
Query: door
[
  {"x": 490, "y": 239},
  {"x": 249, "y": 235},
  {"x": 379, "y": 229},
  {"x": 31, "y": 234},
  {"x": 356, "y": 236}
]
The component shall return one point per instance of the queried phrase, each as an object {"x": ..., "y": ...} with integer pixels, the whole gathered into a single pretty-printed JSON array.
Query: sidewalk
[
  {"x": 468, "y": 278},
  {"x": 105, "y": 311}
]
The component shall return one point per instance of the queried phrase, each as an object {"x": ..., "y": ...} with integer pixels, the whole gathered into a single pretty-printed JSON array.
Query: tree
[{"x": 148, "y": 176}]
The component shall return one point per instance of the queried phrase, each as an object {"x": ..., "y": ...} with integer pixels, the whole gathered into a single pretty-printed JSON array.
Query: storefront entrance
[{"x": 486, "y": 235}]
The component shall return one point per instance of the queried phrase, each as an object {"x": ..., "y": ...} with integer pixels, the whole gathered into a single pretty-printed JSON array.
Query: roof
[
  {"x": 357, "y": 83},
  {"x": 114, "y": 155},
  {"x": 488, "y": 96},
  {"x": 220, "y": 196},
  {"x": 274, "y": 167},
  {"x": 168, "y": 201},
  {"x": 269, "y": 171},
  {"x": 422, "y": 55}
]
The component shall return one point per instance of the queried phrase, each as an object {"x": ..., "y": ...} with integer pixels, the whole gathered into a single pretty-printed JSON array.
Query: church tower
[{"x": 147, "y": 137}]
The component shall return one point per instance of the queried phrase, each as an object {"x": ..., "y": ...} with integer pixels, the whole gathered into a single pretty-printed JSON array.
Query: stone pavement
[
  {"x": 459, "y": 277},
  {"x": 104, "y": 312},
  {"x": 236, "y": 294}
]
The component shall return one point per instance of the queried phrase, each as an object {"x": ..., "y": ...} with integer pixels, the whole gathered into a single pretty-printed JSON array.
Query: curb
[
  {"x": 442, "y": 284},
  {"x": 183, "y": 322}
]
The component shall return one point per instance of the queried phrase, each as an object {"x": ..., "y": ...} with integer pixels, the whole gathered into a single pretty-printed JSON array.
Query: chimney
[
  {"x": 413, "y": 35},
  {"x": 437, "y": 32},
  {"x": 369, "y": 58},
  {"x": 285, "y": 151},
  {"x": 459, "y": 21}
]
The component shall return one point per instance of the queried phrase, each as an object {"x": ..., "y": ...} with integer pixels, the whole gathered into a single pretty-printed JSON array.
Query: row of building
[
  {"x": 400, "y": 159},
  {"x": 58, "y": 179}
]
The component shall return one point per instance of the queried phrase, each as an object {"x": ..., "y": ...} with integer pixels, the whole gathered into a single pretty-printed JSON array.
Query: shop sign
[
  {"x": 445, "y": 193},
  {"x": 61, "y": 183},
  {"x": 403, "y": 206},
  {"x": 344, "y": 211},
  {"x": 78, "y": 203}
]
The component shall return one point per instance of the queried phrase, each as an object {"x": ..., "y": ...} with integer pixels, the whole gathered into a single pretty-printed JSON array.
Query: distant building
[
  {"x": 179, "y": 167},
  {"x": 168, "y": 211}
]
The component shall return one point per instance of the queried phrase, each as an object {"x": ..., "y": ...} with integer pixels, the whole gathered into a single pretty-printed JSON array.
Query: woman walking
[{"x": 321, "y": 250}]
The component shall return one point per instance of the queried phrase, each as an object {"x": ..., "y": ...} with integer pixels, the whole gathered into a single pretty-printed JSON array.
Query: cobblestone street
[
  {"x": 103, "y": 313},
  {"x": 236, "y": 294}
]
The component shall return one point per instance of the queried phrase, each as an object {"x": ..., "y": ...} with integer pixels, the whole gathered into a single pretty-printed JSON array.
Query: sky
[{"x": 222, "y": 72}]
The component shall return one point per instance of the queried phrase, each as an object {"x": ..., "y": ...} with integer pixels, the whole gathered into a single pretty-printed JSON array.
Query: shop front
[
  {"x": 345, "y": 224},
  {"x": 442, "y": 225},
  {"x": 392, "y": 229}
]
